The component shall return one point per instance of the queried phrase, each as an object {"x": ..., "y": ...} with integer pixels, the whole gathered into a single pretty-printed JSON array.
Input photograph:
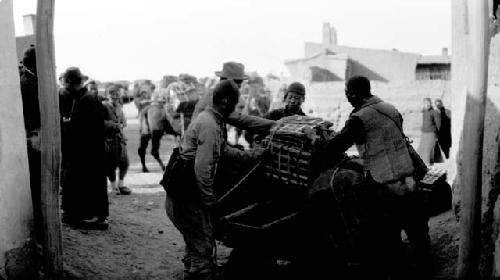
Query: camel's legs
[
  {"x": 155, "y": 149},
  {"x": 142, "y": 150}
]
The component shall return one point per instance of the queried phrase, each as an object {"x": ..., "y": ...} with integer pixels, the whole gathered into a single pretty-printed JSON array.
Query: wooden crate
[{"x": 291, "y": 160}]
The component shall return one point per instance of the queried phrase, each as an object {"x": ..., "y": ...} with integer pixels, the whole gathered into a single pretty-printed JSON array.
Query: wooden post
[
  {"x": 50, "y": 140},
  {"x": 470, "y": 175}
]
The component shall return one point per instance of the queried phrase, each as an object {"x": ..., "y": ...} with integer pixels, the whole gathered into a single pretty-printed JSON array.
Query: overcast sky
[{"x": 132, "y": 39}]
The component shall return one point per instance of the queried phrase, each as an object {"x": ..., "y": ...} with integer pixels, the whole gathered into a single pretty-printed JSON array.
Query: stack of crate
[{"x": 291, "y": 159}]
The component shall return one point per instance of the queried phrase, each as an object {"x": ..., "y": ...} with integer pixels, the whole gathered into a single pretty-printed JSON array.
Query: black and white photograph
[{"x": 249, "y": 139}]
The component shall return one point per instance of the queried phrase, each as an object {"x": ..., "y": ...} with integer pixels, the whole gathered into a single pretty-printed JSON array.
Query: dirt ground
[{"x": 142, "y": 243}]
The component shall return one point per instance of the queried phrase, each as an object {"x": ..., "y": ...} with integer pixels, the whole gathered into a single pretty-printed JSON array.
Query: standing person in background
[
  {"x": 31, "y": 113},
  {"x": 93, "y": 88},
  {"x": 116, "y": 145},
  {"x": 429, "y": 138},
  {"x": 142, "y": 98},
  {"x": 85, "y": 195},
  {"x": 444, "y": 133}
]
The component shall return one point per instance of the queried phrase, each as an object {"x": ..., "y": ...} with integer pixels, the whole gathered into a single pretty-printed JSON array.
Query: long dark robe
[
  {"x": 31, "y": 112},
  {"x": 85, "y": 192},
  {"x": 444, "y": 133}
]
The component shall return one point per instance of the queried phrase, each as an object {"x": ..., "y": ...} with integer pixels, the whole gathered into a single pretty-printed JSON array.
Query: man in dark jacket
[
  {"x": 85, "y": 195},
  {"x": 31, "y": 112},
  {"x": 294, "y": 97},
  {"x": 375, "y": 127}
]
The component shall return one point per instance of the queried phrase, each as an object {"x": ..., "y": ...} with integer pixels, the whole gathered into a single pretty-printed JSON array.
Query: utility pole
[
  {"x": 49, "y": 140},
  {"x": 470, "y": 175}
]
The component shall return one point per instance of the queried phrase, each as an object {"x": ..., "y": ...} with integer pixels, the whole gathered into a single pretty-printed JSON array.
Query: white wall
[
  {"x": 328, "y": 101},
  {"x": 16, "y": 212},
  {"x": 336, "y": 64},
  {"x": 382, "y": 65}
]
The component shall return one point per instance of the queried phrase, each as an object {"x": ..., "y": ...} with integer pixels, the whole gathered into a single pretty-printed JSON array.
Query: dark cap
[{"x": 297, "y": 88}]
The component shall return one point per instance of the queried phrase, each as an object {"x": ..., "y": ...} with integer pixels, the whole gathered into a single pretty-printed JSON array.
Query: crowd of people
[
  {"x": 191, "y": 184},
  {"x": 93, "y": 145},
  {"x": 93, "y": 148}
]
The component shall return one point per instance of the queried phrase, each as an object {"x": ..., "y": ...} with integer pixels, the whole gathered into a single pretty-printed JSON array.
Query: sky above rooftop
[{"x": 131, "y": 39}]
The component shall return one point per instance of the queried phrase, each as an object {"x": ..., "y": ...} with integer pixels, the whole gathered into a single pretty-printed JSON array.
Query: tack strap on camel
[
  {"x": 290, "y": 167},
  {"x": 291, "y": 155},
  {"x": 251, "y": 172}
]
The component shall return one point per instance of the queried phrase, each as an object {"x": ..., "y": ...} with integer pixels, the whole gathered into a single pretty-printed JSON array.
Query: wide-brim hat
[
  {"x": 74, "y": 74},
  {"x": 232, "y": 70}
]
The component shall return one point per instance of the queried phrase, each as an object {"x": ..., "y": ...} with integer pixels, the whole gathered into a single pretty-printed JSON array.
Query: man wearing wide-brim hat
[
  {"x": 233, "y": 70},
  {"x": 236, "y": 72},
  {"x": 230, "y": 70}
]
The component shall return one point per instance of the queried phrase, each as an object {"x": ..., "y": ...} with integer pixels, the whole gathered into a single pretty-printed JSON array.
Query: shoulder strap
[{"x": 392, "y": 119}]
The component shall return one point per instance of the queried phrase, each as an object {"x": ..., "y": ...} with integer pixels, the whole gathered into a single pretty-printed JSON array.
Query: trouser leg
[
  {"x": 111, "y": 161},
  {"x": 417, "y": 229},
  {"x": 392, "y": 250},
  {"x": 123, "y": 162},
  {"x": 195, "y": 225}
]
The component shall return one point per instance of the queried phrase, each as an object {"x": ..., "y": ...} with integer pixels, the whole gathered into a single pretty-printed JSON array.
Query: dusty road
[{"x": 142, "y": 243}]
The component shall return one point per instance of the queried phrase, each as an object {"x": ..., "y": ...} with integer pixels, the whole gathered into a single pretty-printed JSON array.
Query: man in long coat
[
  {"x": 31, "y": 113},
  {"x": 444, "y": 132},
  {"x": 85, "y": 196}
]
